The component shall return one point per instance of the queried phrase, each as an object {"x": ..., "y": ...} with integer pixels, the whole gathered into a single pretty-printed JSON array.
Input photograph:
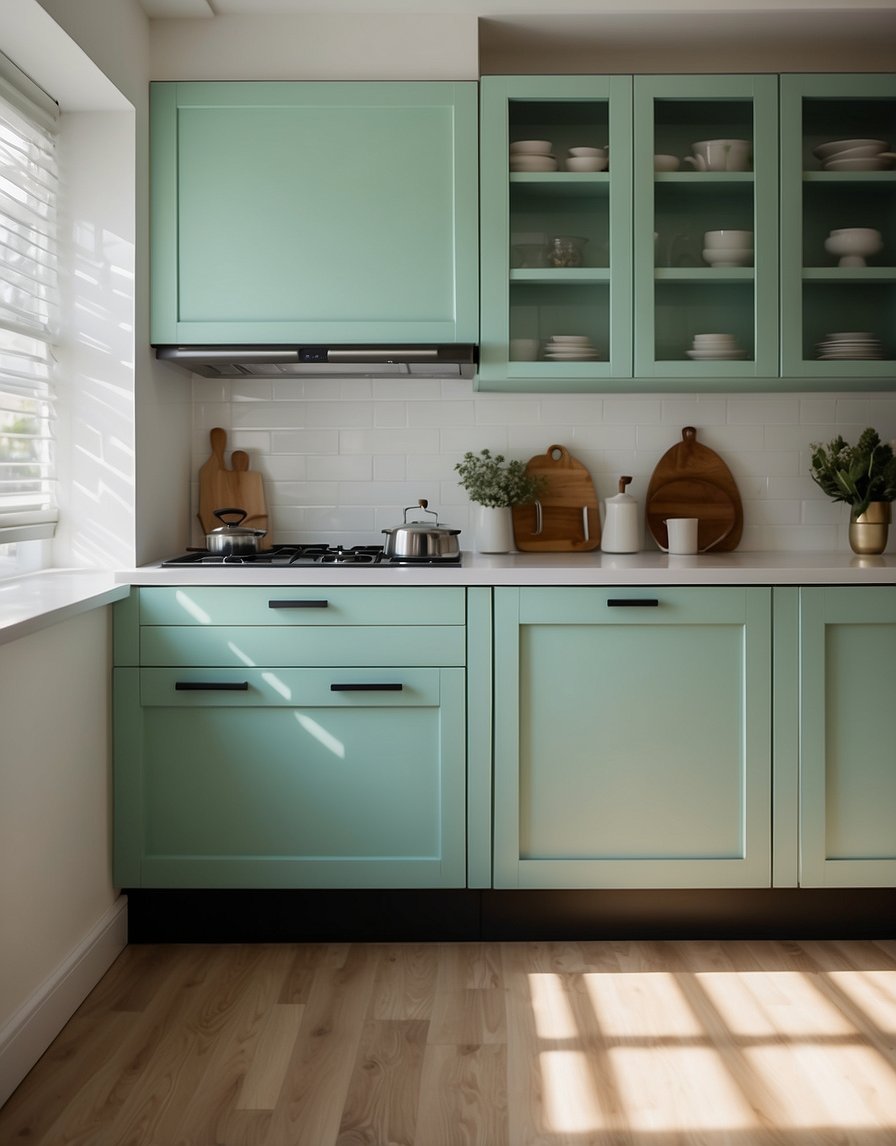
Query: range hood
[{"x": 424, "y": 361}]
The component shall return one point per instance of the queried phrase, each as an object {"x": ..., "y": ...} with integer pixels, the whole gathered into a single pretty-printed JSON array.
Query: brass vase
[{"x": 868, "y": 532}]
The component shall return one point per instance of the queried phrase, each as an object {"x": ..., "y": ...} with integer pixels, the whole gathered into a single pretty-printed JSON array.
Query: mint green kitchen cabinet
[
  {"x": 314, "y": 212},
  {"x": 283, "y": 737},
  {"x": 819, "y": 297},
  {"x": 677, "y": 294},
  {"x": 847, "y": 736},
  {"x": 522, "y": 298},
  {"x": 632, "y": 737}
]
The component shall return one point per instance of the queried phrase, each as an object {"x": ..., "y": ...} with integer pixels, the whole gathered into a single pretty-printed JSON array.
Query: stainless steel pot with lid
[
  {"x": 422, "y": 539},
  {"x": 231, "y": 539}
]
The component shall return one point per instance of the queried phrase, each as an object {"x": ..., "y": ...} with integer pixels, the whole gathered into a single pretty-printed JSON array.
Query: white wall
[{"x": 55, "y": 825}]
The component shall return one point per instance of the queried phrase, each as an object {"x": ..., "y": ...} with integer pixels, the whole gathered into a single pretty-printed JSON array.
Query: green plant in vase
[
  {"x": 863, "y": 476},
  {"x": 495, "y": 485}
]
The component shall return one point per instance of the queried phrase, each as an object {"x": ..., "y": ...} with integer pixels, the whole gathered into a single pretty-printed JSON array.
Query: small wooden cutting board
[
  {"x": 236, "y": 488},
  {"x": 566, "y": 518},
  {"x": 691, "y": 480}
]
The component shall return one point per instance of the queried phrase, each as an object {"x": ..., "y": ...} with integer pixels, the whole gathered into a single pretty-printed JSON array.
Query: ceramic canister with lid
[{"x": 622, "y": 530}]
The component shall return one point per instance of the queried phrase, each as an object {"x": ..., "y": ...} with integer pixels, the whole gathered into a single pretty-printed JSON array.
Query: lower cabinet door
[
  {"x": 632, "y": 737},
  {"x": 290, "y": 778},
  {"x": 848, "y": 736}
]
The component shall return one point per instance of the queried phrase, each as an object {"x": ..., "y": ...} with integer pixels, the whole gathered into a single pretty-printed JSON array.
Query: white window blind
[{"x": 28, "y": 307}]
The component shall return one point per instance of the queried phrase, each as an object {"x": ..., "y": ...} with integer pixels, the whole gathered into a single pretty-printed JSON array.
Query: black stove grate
[{"x": 283, "y": 556}]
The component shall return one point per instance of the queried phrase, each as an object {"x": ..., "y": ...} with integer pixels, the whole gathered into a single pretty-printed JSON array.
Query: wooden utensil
[
  {"x": 691, "y": 480},
  {"x": 220, "y": 487},
  {"x": 566, "y": 518}
]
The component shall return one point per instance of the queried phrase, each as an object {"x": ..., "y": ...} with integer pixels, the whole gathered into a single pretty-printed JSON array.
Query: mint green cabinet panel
[
  {"x": 632, "y": 741},
  {"x": 848, "y": 737},
  {"x": 348, "y": 645},
  {"x": 520, "y": 298},
  {"x": 284, "y": 605},
  {"x": 786, "y": 735},
  {"x": 677, "y": 294},
  {"x": 480, "y": 664},
  {"x": 819, "y": 297},
  {"x": 314, "y": 211},
  {"x": 322, "y": 791}
]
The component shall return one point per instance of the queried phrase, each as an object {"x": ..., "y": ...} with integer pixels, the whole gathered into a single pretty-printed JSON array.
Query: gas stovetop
[{"x": 283, "y": 556}]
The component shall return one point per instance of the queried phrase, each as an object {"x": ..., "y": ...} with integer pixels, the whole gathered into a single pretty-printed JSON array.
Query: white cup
[
  {"x": 682, "y": 534},
  {"x": 523, "y": 349}
]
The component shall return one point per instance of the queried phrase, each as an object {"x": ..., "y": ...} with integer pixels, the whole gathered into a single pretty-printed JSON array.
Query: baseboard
[{"x": 42, "y": 1016}]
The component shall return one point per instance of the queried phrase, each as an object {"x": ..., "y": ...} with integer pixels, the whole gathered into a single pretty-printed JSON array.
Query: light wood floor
[{"x": 529, "y": 1044}]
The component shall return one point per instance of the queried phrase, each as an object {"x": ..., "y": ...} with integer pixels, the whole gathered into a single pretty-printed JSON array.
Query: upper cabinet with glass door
[
  {"x": 555, "y": 232},
  {"x": 706, "y": 229},
  {"x": 838, "y": 241}
]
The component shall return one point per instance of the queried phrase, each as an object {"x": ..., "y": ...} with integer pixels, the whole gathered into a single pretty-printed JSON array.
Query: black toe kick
[{"x": 465, "y": 915}]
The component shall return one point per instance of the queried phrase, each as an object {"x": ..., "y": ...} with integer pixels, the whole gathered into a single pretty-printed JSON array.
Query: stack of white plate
[
  {"x": 855, "y": 155},
  {"x": 722, "y": 347},
  {"x": 532, "y": 155},
  {"x": 570, "y": 348},
  {"x": 851, "y": 344}
]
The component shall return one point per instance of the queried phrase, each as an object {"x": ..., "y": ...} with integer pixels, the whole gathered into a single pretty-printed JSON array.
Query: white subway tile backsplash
[{"x": 341, "y": 458}]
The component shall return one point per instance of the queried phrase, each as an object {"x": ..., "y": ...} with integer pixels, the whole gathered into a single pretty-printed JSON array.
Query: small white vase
[{"x": 493, "y": 529}]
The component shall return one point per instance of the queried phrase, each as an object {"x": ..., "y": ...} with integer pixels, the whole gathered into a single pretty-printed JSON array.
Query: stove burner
[{"x": 282, "y": 556}]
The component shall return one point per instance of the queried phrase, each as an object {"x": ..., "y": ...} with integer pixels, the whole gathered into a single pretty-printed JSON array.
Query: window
[{"x": 28, "y": 308}]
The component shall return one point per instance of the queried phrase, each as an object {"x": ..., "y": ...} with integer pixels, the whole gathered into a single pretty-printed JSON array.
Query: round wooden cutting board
[{"x": 691, "y": 480}]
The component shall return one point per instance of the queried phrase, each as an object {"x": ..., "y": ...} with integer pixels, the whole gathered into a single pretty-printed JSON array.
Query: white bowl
[
  {"x": 531, "y": 147},
  {"x": 852, "y": 245},
  {"x": 532, "y": 163},
  {"x": 736, "y": 257},
  {"x": 704, "y": 340},
  {"x": 729, "y": 240},
  {"x": 826, "y": 150},
  {"x": 593, "y": 152},
  {"x": 666, "y": 163},
  {"x": 587, "y": 163}
]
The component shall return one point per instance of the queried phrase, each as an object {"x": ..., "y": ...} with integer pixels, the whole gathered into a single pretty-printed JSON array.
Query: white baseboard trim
[{"x": 42, "y": 1016}]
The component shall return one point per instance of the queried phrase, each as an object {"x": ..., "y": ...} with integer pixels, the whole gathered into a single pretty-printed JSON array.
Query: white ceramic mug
[
  {"x": 682, "y": 533},
  {"x": 523, "y": 349}
]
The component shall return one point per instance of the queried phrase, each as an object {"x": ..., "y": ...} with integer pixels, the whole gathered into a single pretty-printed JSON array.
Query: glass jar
[{"x": 566, "y": 251}]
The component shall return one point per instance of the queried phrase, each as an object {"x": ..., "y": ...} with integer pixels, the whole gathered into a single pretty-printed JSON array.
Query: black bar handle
[
  {"x": 366, "y": 687},
  {"x": 211, "y": 686},
  {"x": 633, "y": 602},
  {"x": 298, "y": 604}
]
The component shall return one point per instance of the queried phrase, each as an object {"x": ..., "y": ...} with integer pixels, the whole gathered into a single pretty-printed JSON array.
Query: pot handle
[
  {"x": 423, "y": 503},
  {"x": 221, "y": 513}
]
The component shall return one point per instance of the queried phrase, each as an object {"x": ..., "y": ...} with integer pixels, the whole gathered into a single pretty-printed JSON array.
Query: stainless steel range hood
[{"x": 430, "y": 361}]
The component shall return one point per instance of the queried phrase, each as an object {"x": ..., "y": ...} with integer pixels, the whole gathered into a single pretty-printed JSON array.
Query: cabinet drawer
[
  {"x": 324, "y": 605},
  {"x": 299, "y": 688},
  {"x": 634, "y": 605},
  {"x": 224, "y": 645}
]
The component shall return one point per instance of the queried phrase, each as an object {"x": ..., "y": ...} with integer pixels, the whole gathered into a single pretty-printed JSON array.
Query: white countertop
[
  {"x": 36, "y": 600},
  {"x": 648, "y": 568}
]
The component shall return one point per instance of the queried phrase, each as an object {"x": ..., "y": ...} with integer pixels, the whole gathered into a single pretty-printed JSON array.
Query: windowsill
[{"x": 34, "y": 601}]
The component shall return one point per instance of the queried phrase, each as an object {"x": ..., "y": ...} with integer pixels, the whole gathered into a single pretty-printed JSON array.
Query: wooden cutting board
[
  {"x": 238, "y": 487},
  {"x": 570, "y": 514},
  {"x": 691, "y": 480}
]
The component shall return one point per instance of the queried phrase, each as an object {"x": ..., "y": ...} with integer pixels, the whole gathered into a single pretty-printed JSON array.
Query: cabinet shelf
[
  {"x": 555, "y": 276},
  {"x": 850, "y": 274},
  {"x": 711, "y": 275},
  {"x": 563, "y": 182}
]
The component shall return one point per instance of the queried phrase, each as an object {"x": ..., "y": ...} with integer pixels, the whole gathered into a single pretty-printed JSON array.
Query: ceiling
[{"x": 860, "y": 9}]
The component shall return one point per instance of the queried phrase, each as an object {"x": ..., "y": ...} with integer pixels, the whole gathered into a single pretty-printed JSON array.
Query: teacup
[{"x": 720, "y": 155}]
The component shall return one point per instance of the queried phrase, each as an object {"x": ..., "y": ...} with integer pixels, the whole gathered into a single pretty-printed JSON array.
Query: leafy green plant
[
  {"x": 856, "y": 474},
  {"x": 490, "y": 482}
]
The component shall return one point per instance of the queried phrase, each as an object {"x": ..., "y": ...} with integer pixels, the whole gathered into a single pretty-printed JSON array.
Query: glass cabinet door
[
  {"x": 555, "y": 239},
  {"x": 706, "y": 227},
  {"x": 838, "y": 241}
]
